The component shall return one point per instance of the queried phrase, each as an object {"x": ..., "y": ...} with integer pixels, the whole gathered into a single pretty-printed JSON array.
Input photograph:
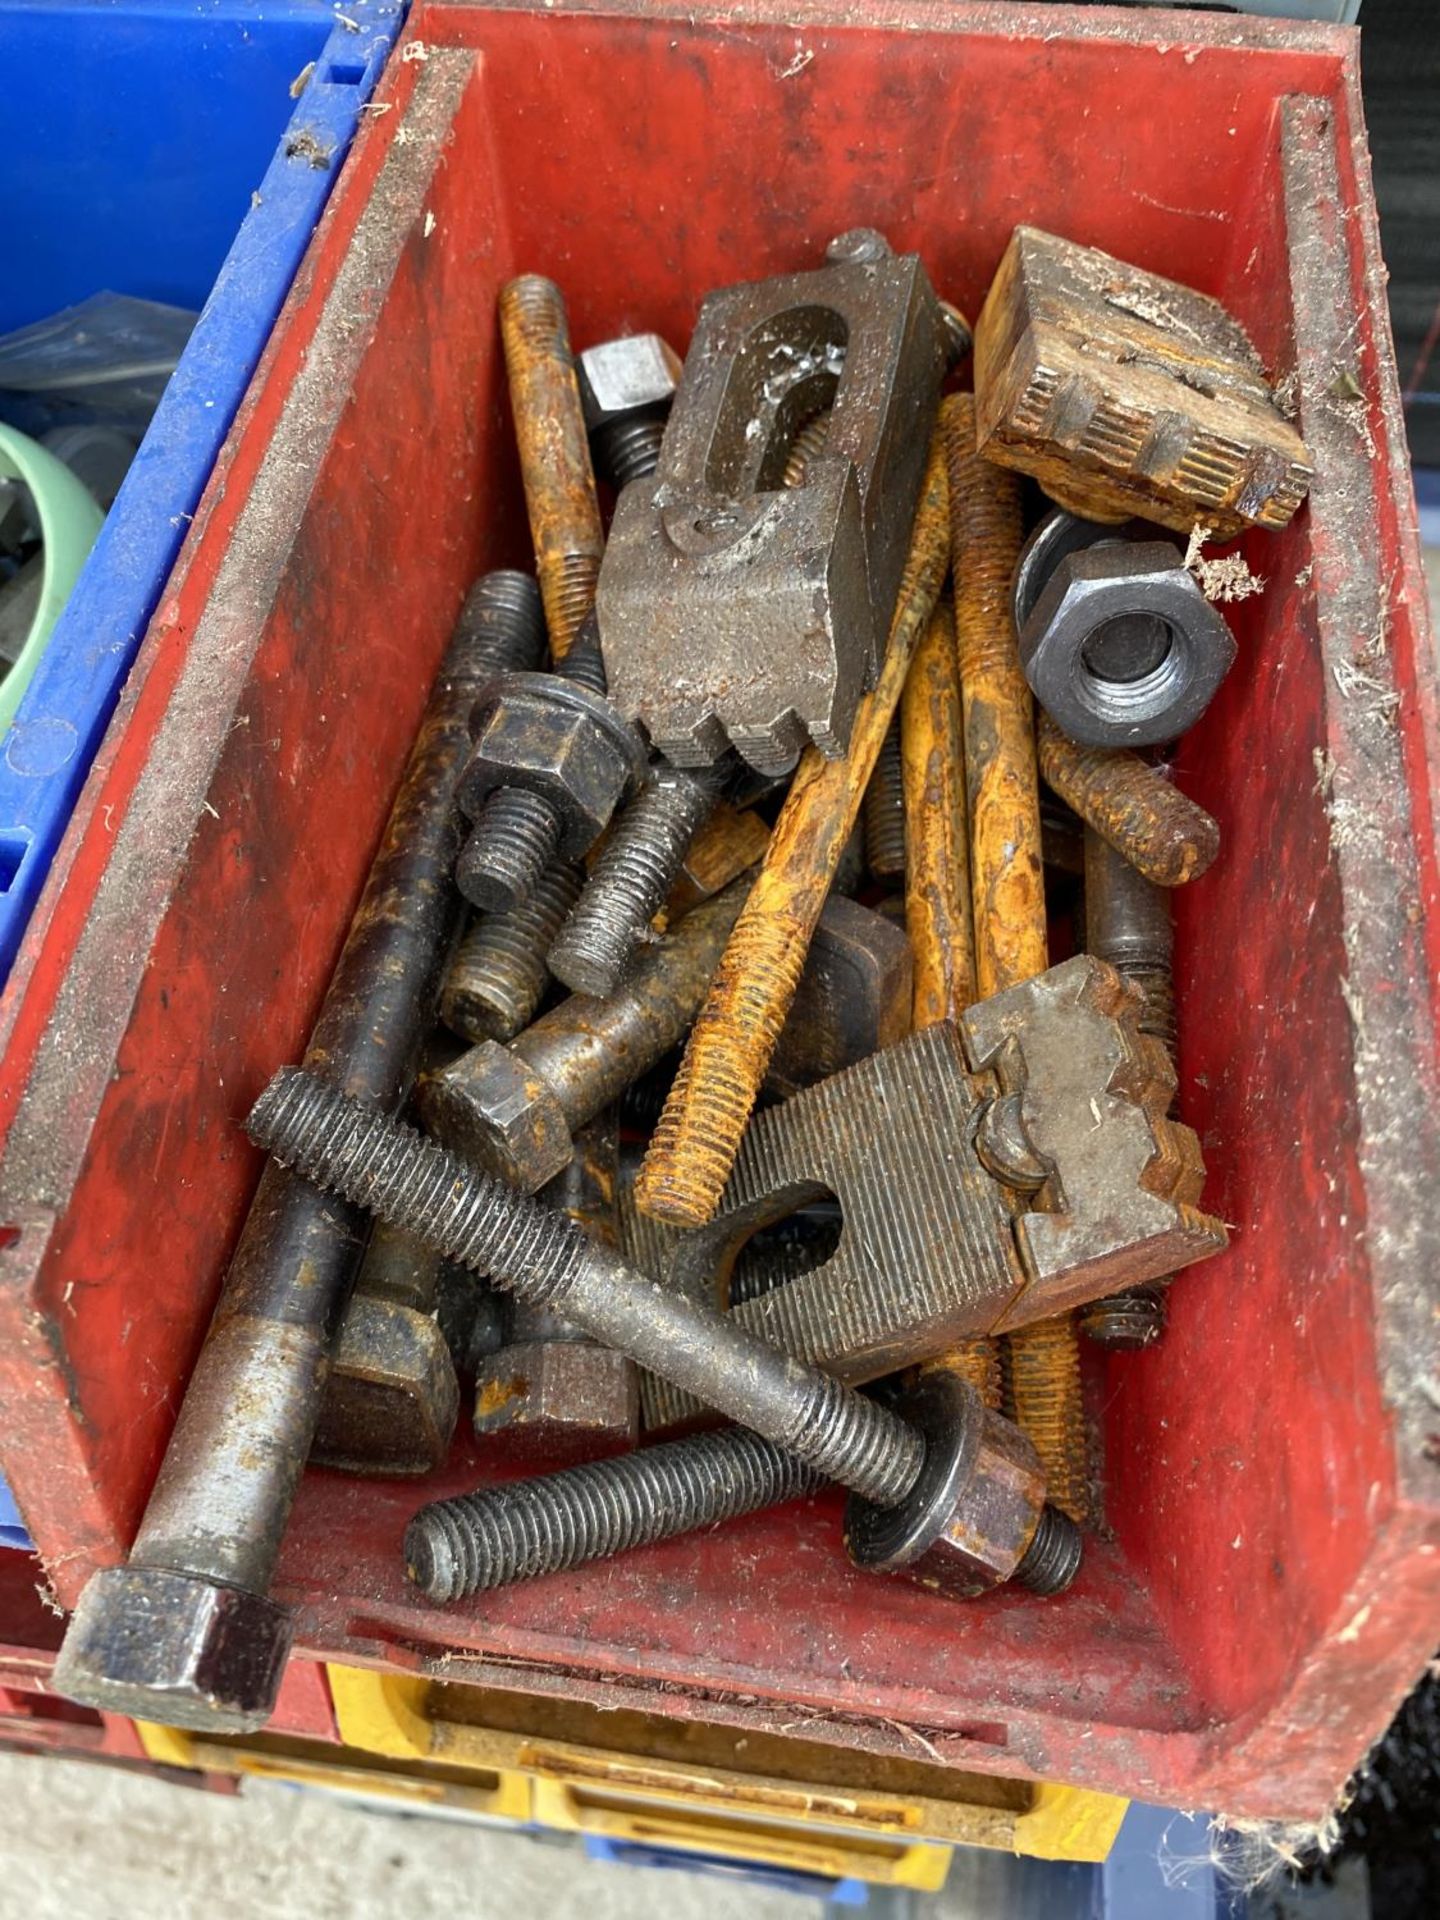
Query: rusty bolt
[
  {"x": 513, "y": 1110},
  {"x": 960, "y": 1529},
  {"x": 498, "y": 975},
  {"x": 554, "y": 453},
  {"x": 1130, "y": 805}
]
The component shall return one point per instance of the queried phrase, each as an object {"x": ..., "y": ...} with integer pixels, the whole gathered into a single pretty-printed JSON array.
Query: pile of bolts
[{"x": 754, "y": 1090}]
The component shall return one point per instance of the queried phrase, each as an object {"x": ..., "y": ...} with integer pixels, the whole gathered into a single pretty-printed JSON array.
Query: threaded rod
[
  {"x": 527, "y": 1528},
  {"x": 544, "y": 1258}
]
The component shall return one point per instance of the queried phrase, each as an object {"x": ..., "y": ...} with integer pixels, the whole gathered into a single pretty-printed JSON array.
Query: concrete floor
[
  {"x": 86, "y": 1842},
  {"x": 93, "y": 1843}
]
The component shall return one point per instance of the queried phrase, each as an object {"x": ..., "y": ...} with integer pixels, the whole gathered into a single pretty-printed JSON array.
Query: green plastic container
[{"x": 69, "y": 521}]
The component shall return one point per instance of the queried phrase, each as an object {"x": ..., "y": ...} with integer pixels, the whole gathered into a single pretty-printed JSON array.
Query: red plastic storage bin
[{"x": 1266, "y": 1586}]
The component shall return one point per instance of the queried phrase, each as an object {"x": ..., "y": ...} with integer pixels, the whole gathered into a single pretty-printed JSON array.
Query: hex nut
[
  {"x": 620, "y": 379},
  {"x": 1139, "y": 600},
  {"x": 546, "y": 740},
  {"x": 548, "y": 1399},
  {"x": 491, "y": 1109},
  {"x": 392, "y": 1398},
  {"x": 168, "y": 1646},
  {"x": 966, "y": 1524}
]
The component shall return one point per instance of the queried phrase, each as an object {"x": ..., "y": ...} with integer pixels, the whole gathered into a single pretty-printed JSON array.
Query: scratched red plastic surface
[{"x": 1266, "y": 1591}]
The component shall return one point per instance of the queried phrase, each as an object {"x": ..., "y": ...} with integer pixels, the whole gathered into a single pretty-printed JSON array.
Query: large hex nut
[
  {"x": 620, "y": 379},
  {"x": 392, "y": 1398},
  {"x": 489, "y": 1107},
  {"x": 168, "y": 1646},
  {"x": 966, "y": 1524},
  {"x": 1121, "y": 648},
  {"x": 550, "y": 1399},
  {"x": 547, "y": 736}
]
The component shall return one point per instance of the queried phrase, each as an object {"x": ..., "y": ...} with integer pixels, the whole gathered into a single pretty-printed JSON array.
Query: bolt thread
[
  {"x": 532, "y": 316},
  {"x": 1044, "y": 1399},
  {"x": 628, "y": 450},
  {"x": 584, "y": 663},
  {"x": 568, "y": 584},
  {"x": 977, "y": 1362},
  {"x": 560, "y": 497},
  {"x": 511, "y": 844},
  {"x": 1052, "y": 1559},
  {"x": 402, "y": 1178},
  {"x": 548, "y": 1524},
  {"x": 884, "y": 813},
  {"x": 808, "y": 445},
  {"x": 503, "y": 619},
  {"x": 986, "y": 533},
  {"x": 1131, "y": 806},
  {"x": 498, "y": 976},
  {"x": 544, "y": 1258},
  {"x": 1126, "y": 1321},
  {"x": 643, "y": 1101},
  {"x": 853, "y": 1440},
  {"x": 631, "y": 879},
  {"x": 712, "y": 1096},
  {"x": 959, "y": 335},
  {"x": 1156, "y": 987}
]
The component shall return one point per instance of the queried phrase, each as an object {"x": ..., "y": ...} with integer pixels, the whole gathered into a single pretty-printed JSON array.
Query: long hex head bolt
[
  {"x": 905, "y": 1471},
  {"x": 1127, "y": 922},
  {"x": 186, "y": 1632}
]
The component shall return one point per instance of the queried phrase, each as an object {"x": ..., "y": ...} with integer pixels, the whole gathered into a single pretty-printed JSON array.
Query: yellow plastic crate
[
  {"x": 505, "y": 1798},
  {"x": 795, "y": 1803}
]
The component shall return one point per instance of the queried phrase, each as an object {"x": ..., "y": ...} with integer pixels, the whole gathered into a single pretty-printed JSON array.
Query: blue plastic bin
[{"x": 152, "y": 149}]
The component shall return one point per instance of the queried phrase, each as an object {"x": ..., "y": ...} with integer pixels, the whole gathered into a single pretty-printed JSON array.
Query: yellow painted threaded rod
[
  {"x": 731, "y": 1044},
  {"x": 555, "y": 467},
  {"x": 938, "y": 915},
  {"x": 1007, "y": 875}
]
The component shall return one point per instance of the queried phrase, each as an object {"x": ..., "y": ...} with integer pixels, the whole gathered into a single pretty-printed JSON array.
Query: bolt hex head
[
  {"x": 546, "y": 740},
  {"x": 392, "y": 1399},
  {"x": 619, "y": 378},
  {"x": 489, "y": 1107},
  {"x": 174, "y": 1647},
  {"x": 1141, "y": 584},
  {"x": 965, "y": 1525},
  {"x": 553, "y": 1398}
]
